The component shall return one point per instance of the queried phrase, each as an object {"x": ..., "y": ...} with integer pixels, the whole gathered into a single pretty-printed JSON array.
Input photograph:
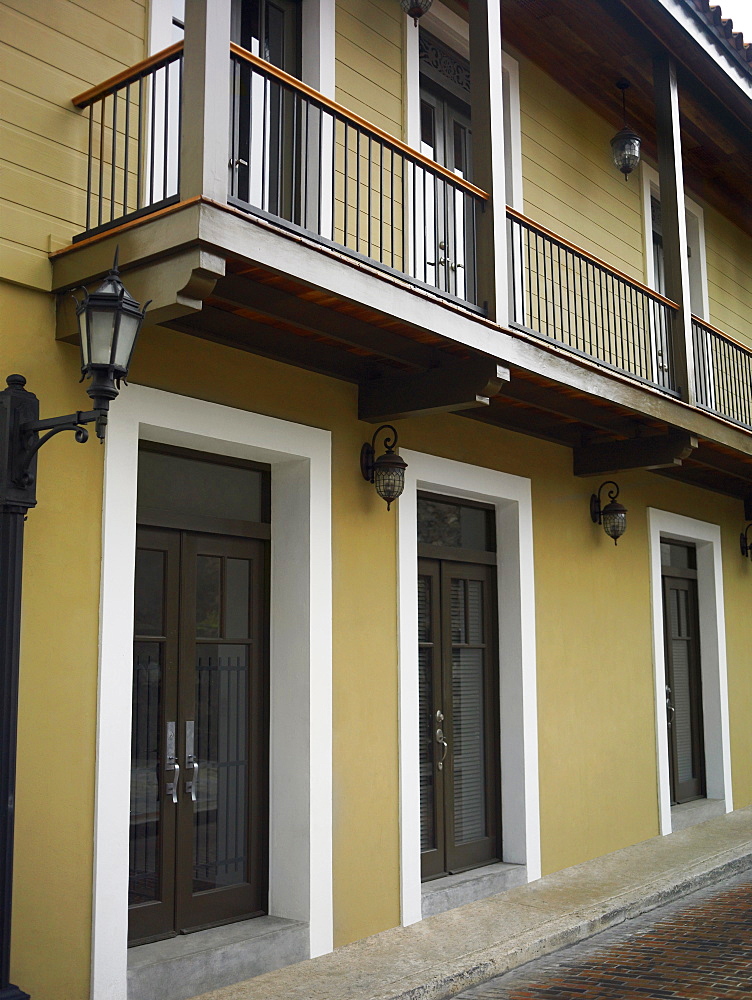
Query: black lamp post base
[{"x": 12, "y": 992}]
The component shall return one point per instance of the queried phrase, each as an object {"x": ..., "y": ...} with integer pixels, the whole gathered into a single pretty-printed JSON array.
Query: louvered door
[{"x": 458, "y": 716}]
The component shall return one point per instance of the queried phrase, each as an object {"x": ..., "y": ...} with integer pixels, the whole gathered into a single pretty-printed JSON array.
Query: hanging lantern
[
  {"x": 109, "y": 322},
  {"x": 416, "y": 8},
  {"x": 626, "y": 144}
]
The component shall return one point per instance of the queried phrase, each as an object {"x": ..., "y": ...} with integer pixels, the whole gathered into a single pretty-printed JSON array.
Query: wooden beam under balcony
[
  {"x": 658, "y": 452},
  {"x": 460, "y": 386},
  {"x": 271, "y": 303}
]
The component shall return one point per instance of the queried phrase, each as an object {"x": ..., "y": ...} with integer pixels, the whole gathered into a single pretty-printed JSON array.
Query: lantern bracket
[
  {"x": 54, "y": 425},
  {"x": 368, "y": 451}
]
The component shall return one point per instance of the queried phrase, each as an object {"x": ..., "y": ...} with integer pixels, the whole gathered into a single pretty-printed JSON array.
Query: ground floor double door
[
  {"x": 458, "y": 700},
  {"x": 199, "y": 773}
]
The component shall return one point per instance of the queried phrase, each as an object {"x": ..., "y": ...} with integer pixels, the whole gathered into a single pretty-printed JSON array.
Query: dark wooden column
[
  {"x": 487, "y": 117},
  {"x": 673, "y": 218}
]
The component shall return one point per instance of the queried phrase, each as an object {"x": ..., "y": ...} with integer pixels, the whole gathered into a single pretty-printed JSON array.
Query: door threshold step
[{"x": 446, "y": 893}]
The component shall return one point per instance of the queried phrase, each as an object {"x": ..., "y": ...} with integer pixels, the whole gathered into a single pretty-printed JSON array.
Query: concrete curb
[
  {"x": 445, "y": 954},
  {"x": 563, "y": 931}
]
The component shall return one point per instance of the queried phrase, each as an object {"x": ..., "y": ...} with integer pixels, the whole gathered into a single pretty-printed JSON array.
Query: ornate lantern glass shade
[
  {"x": 625, "y": 147},
  {"x": 614, "y": 520},
  {"x": 416, "y": 8},
  {"x": 109, "y": 321},
  {"x": 389, "y": 477}
]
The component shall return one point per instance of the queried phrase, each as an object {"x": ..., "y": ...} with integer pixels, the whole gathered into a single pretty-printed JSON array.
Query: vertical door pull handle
[
  {"x": 171, "y": 762},
  {"x": 190, "y": 785},
  {"x": 172, "y": 786},
  {"x": 191, "y": 761},
  {"x": 442, "y": 742}
]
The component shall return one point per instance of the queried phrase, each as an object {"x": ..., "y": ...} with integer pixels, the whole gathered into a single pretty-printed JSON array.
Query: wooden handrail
[
  {"x": 714, "y": 329},
  {"x": 134, "y": 72},
  {"x": 591, "y": 257},
  {"x": 327, "y": 102}
]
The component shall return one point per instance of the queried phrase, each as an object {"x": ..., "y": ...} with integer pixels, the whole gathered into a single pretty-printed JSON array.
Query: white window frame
[
  {"x": 300, "y": 799},
  {"x": 698, "y": 267},
  {"x": 318, "y": 31},
  {"x": 666, "y": 526},
  {"x": 453, "y": 31},
  {"x": 520, "y": 809}
]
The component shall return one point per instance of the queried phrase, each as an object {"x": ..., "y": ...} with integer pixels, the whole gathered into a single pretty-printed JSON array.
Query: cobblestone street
[{"x": 699, "y": 948}]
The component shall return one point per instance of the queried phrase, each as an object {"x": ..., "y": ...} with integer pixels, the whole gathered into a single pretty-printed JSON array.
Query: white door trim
[
  {"x": 706, "y": 538},
  {"x": 517, "y": 673},
  {"x": 300, "y": 877}
]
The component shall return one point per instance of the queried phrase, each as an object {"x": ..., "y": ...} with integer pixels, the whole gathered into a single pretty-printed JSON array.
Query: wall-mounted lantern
[
  {"x": 612, "y": 517},
  {"x": 416, "y": 8},
  {"x": 745, "y": 543},
  {"x": 625, "y": 145},
  {"x": 387, "y": 472},
  {"x": 109, "y": 320}
]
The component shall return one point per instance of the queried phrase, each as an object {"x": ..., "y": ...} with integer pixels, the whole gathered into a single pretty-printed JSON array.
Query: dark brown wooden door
[
  {"x": 683, "y": 689},
  {"x": 459, "y": 776},
  {"x": 199, "y": 753}
]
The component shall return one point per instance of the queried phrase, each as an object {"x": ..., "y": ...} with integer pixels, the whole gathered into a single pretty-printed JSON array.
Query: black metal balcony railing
[
  {"x": 723, "y": 374},
  {"x": 303, "y": 161},
  {"x": 133, "y": 159},
  {"x": 301, "y": 158},
  {"x": 561, "y": 292}
]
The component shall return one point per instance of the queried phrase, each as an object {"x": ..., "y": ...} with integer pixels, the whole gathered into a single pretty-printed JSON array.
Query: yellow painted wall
[
  {"x": 729, "y": 256},
  {"x": 595, "y": 675},
  {"x": 570, "y": 184},
  {"x": 369, "y": 61},
  {"x": 51, "y": 50}
]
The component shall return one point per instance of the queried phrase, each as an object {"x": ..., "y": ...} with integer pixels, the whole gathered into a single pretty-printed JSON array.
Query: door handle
[
  {"x": 171, "y": 763},
  {"x": 191, "y": 761},
  {"x": 442, "y": 742},
  {"x": 670, "y": 710}
]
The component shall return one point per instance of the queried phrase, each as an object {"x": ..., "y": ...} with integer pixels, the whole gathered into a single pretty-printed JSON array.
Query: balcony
[{"x": 591, "y": 350}]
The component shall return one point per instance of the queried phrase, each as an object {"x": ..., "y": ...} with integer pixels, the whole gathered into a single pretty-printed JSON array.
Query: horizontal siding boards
[
  {"x": 369, "y": 61},
  {"x": 729, "y": 258},
  {"x": 49, "y": 53},
  {"x": 570, "y": 183}
]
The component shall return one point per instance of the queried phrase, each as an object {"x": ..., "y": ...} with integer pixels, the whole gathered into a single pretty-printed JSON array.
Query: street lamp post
[{"x": 109, "y": 322}]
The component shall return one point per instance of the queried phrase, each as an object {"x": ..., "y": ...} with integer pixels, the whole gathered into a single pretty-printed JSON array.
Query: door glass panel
[
  {"x": 238, "y": 610},
  {"x": 219, "y": 821},
  {"x": 144, "y": 885},
  {"x": 468, "y": 745},
  {"x": 183, "y": 484},
  {"x": 682, "y": 699},
  {"x": 425, "y": 709},
  {"x": 459, "y": 624},
  {"x": 452, "y": 525},
  {"x": 149, "y": 589},
  {"x": 208, "y": 596}
]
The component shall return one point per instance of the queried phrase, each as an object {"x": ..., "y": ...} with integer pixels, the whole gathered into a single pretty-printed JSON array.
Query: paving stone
[{"x": 699, "y": 948}]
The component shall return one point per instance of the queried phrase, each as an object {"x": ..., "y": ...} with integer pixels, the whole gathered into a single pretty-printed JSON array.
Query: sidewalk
[{"x": 445, "y": 954}]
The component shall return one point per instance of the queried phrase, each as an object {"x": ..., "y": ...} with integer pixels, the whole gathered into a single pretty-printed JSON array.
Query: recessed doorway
[{"x": 199, "y": 752}]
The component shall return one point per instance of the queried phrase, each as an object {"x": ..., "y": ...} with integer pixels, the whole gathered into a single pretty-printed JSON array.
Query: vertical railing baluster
[
  {"x": 370, "y": 192},
  {"x": 139, "y": 164},
  {"x": 347, "y": 171},
  {"x": 113, "y": 155},
  {"x": 89, "y": 192},
  {"x": 101, "y": 159},
  {"x": 166, "y": 132},
  {"x": 126, "y": 151},
  {"x": 357, "y": 189}
]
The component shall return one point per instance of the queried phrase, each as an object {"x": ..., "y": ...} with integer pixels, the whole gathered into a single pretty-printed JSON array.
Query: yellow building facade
[{"x": 421, "y": 226}]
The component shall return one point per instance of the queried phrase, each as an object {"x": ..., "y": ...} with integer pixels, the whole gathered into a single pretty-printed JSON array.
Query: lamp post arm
[{"x": 54, "y": 425}]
